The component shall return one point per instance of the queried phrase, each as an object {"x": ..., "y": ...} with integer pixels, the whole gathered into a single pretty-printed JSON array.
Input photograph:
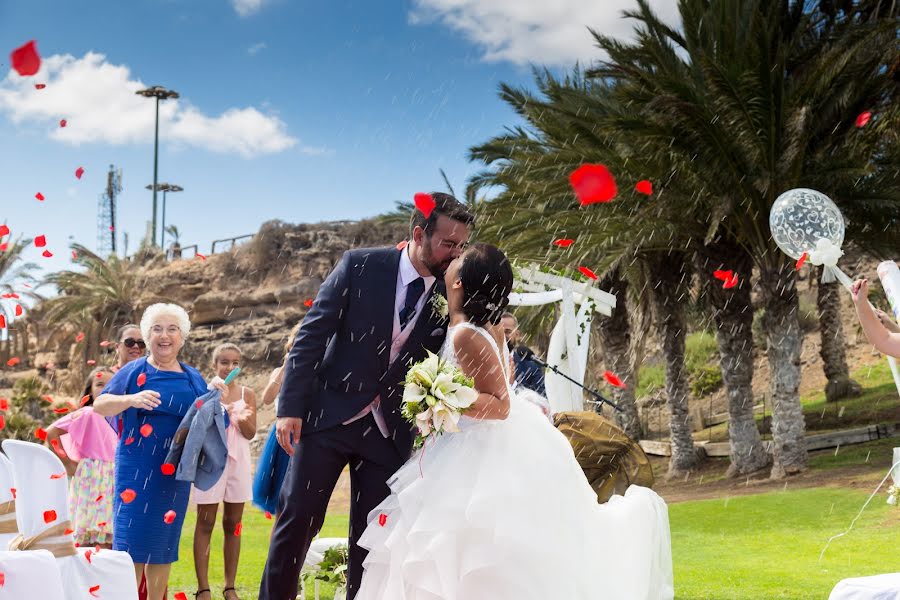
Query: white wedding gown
[{"x": 502, "y": 511}]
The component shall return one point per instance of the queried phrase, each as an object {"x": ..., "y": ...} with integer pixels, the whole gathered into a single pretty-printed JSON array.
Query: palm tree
[
  {"x": 13, "y": 274},
  {"x": 532, "y": 166},
  {"x": 97, "y": 299},
  {"x": 746, "y": 96}
]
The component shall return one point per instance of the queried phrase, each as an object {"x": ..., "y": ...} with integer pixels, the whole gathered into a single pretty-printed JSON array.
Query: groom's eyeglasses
[
  {"x": 131, "y": 343},
  {"x": 451, "y": 245}
]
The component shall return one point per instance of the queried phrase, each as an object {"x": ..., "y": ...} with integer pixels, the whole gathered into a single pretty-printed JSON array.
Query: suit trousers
[{"x": 319, "y": 458}]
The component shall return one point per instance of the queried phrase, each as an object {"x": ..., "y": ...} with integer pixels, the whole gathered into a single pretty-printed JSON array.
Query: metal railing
[{"x": 231, "y": 239}]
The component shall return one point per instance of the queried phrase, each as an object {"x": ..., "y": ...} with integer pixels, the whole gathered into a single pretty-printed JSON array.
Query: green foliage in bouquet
[
  {"x": 435, "y": 386},
  {"x": 332, "y": 569}
]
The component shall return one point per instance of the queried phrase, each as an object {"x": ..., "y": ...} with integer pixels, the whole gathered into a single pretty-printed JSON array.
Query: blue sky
[{"x": 297, "y": 110}]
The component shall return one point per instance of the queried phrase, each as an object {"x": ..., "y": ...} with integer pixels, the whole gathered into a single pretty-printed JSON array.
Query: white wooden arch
[{"x": 570, "y": 339}]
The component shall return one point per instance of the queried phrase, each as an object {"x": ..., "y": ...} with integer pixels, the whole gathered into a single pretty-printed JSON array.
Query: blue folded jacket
[{"x": 199, "y": 448}]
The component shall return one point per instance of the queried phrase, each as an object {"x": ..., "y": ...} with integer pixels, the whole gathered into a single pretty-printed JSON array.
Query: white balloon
[{"x": 801, "y": 217}]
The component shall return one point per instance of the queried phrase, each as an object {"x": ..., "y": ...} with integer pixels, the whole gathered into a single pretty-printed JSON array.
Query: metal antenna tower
[{"x": 106, "y": 213}]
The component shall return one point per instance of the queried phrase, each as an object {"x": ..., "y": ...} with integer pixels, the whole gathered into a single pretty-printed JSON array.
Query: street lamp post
[
  {"x": 164, "y": 188},
  {"x": 160, "y": 93}
]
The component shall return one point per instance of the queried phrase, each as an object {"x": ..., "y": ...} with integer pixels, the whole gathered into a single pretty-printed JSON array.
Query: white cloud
[
  {"x": 550, "y": 32},
  {"x": 245, "y": 8},
  {"x": 255, "y": 48},
  {"x": 98, "y": 101}
]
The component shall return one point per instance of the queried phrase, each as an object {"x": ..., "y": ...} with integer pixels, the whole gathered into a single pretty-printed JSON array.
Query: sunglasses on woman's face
[{"x": 131, "y": 342}]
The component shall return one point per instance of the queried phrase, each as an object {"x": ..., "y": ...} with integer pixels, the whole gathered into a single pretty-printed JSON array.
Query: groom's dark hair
[{"x": 444, "y": 204}]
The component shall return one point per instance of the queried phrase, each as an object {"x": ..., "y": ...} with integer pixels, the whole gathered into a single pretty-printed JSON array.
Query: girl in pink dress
[
  {"x": 235, "y": 487},
  {"x": 87, "y": 447}
]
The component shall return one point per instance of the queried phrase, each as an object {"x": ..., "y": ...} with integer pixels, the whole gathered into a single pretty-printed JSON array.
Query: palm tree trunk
[
  {"x": 782, "y": 326},
  {"x": 831, "y": 331},
  {"x": 732, "y": 312},
  {"x": 668, "y": 271},
  {"x": 615, "y": 339}
]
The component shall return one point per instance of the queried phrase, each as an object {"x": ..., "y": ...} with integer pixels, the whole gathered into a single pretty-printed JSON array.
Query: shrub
[{"x": 706, "y": 379}]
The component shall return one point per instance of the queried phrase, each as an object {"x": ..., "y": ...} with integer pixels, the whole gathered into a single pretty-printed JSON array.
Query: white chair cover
[
  {"x": 6, "y": 495},
  {"x": 876, "y": 587},
  {"x": 33, "y": 466},
  {"x": 30, "y": 574}
]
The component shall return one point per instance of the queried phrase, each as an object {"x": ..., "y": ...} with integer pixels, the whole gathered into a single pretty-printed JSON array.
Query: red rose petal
[
  {"x": 79, "y": 172},
  {"x": 723, "y": 275},
  {"x": 863, "y": 119},
  {"x": 4, "y": 404},
  {"x": 39, "y": 196},
  {"x": 731, "y": 282},
  {"x": 268, "y": 515},
  {"x": 79, "y": 337},
  {"x": 105, "y": 343},
  {"x": 564, "y": 243},
  {"x": 61, "y": 411},
  {"x": 425, "y": 203},
  {"x": 402, "y": 244},
  {"x": 57, "y": 476},
  {"x": 47, "y": 398},
  {"x": 238, "y": 529},
  {"x": 801, "y": 260},
  {"x": 180, "y": 596},
  {"x": 128, "y": 496},
  {"x": 587, "y": 273},
  {"x": 146, "y": 429},
  {"x": 85, "y": 399},
  {"x": 198, "y": 403},
  {"x": 169, "y": 517},
  {"x": 13, "y": 490},
  {"x": 308, "y": 303},
  {"x": 18, "y": 310},
  {"x": 40, "y": 86},
  {"x": 74, "y": 255},
  {"x": 141, "y": 379},
  {"x": 4, "y": 246},
  {"x": 68, "y": 531},
  {"x": 47, "y": 254},
  {"x": 382, "y": 519},
  {"x": 200, "y": 256},
  {"x": 25, "y": 59},
  {"x": 99, "y": 498},
  {"x": 129, "y": 441},
  {"x": 2, "y": 422},
  {"x": 644, "y": 187},
  {"x": 91, "y": 363},
  {"x": 62, "y": 123},
  {"x": 13, "y": 361},
  {"x": 2, "y": 322},
  {"x": 49, "y": 516},
  {"x": 4, "y": 230},
  {"x": 593, "y": 183},
  {"x": 167, "y": 469},
  {"x": 41, "y": 434},
  {"x": 87, "y": 555},
  {"x": 612, "y": 379},
  {"x": 40, "y": 241},
  {"x": 3, "y": 580},
  {"x": 93, "y": 590}
]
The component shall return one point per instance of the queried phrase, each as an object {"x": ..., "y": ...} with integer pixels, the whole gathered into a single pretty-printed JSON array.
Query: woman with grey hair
[{"x": 151, "y": 395}]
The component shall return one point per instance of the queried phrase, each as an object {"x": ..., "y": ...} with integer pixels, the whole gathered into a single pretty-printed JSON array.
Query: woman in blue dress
[
  {"x": 273, "y": 462},
  {"x": 149, "y": 397}
]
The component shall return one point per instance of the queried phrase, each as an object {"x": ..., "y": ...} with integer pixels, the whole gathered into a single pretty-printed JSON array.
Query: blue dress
[
  {"x": 270, "y": 472},
  {"x": 139, "y": 526}
]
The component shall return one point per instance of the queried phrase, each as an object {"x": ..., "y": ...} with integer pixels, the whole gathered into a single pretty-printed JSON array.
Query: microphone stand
[{"x": 600, "y": 399}]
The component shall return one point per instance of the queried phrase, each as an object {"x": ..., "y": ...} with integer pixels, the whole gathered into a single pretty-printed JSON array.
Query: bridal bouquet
[{"x": 435, "y": 396}]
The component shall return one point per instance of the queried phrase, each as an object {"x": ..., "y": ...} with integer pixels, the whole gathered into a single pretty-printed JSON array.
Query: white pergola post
[{"x": 566, "y": 351}]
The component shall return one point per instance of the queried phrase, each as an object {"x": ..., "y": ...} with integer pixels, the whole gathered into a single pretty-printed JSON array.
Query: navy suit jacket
[{"x": 339, "y": 361}]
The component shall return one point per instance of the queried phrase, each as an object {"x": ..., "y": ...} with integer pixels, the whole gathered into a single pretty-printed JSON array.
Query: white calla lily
[{"x": 413, "y": 393}]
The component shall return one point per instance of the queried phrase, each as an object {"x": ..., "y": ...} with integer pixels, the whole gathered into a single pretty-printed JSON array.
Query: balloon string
[{"x": 859, "y": 514}]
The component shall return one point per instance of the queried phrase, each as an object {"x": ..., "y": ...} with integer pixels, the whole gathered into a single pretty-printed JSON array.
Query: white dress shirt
[{"x": 405, "y": 275}]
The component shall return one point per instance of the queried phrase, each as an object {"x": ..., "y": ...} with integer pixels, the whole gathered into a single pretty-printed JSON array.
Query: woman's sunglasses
[{"x": 131, "y": 342}]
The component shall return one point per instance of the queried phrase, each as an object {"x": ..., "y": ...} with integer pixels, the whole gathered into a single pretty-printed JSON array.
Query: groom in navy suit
[{"x": 339, "y": 405}]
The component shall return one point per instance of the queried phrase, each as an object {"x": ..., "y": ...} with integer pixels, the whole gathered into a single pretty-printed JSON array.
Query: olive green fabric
[{"x": 611, "y": 460}]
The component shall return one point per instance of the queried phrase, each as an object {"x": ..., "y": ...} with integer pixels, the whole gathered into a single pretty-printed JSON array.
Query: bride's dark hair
[{"x": 487, "y": 280}]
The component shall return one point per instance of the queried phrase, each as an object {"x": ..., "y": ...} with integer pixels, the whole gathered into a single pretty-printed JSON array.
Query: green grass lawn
[
  {"x": 254, "y": 550},
  {"x": 768, "y": 545},
  {"x": 762, "y": 546}
]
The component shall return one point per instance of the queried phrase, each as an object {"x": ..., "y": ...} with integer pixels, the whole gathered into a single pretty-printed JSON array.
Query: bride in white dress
[{"x": 502, "y": 510}]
